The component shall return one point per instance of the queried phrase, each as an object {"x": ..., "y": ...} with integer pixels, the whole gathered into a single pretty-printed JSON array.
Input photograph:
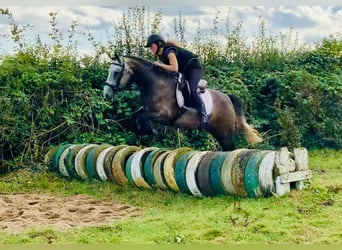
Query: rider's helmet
[{"x": 155, "y": 38}]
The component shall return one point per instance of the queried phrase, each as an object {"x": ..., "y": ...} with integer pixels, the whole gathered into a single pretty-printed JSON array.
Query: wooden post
[
  {"x": 291, "y": 170},
  {"x": 282, "y": 166},
  {"x": 301, "y": 159}
]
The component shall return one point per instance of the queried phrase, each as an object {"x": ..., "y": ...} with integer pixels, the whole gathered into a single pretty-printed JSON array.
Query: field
[{"x": 38, "y": 206}]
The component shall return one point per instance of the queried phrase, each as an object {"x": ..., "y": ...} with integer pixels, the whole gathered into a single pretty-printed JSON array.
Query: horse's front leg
[{"x": 143, "y": 122}]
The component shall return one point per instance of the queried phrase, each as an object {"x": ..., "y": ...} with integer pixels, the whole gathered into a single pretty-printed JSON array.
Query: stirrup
[
  {"x": 204, "y": 122},
  {"x": 203, "y": 125},
  {"x": 204, "y": 118}
]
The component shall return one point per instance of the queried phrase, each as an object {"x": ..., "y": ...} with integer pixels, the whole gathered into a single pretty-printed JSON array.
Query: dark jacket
[{"x": 186, "y": 59}]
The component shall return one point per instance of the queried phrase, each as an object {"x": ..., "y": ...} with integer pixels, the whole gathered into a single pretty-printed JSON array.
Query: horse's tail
[{"x": 251, "y": 134}]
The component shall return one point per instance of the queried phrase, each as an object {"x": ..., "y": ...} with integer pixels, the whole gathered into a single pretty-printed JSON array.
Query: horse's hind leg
[{"x": 225, "y": 139}]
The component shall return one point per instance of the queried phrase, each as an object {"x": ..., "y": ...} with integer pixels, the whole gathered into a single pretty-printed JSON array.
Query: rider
[{"x": 180, "y": 60}]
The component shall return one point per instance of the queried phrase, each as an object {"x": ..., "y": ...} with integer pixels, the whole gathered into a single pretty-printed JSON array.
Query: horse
[{"x": 161, "y": 101}]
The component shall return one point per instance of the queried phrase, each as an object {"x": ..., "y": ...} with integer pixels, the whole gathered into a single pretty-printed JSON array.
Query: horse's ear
[{"x": 117, "y": 57}]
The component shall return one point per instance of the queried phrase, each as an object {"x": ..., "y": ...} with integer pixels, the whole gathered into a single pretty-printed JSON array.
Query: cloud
[
  {"x": 285, "y": 17},
  {"x": 90, "y": 16},
  {"x": 312, "y": 23}
]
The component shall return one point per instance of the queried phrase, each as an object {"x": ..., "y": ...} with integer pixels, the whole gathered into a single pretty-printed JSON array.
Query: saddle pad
[{"x": 206, "y": 98}]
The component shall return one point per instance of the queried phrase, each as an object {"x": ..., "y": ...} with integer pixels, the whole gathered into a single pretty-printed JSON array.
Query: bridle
[{"x": 116, "y": 87}]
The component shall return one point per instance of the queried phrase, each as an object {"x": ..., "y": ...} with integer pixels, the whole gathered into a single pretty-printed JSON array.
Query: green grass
[{"x": 313, "y": 215}]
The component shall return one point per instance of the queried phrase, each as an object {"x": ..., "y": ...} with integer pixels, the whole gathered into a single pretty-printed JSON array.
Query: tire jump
[{"x": 242, "y": 172}]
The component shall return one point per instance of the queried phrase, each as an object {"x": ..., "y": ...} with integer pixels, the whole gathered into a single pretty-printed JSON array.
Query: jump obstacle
[{"x": 241, "y": 172}]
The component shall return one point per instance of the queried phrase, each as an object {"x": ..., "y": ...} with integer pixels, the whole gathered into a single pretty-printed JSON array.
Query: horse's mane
[{"x": 156, "y": 69}]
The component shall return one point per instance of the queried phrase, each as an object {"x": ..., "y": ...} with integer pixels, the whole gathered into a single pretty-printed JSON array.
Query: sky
[{"x": 310, "y": 20}]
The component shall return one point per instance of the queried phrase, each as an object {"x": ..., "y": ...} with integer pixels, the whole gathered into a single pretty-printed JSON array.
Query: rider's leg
[
  {"x": 194, "y": 77},
  {"x": 199, "y": 105}
]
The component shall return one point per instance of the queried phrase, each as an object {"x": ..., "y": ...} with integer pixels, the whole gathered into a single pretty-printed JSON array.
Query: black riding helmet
[{"x": 155, "y": 38}]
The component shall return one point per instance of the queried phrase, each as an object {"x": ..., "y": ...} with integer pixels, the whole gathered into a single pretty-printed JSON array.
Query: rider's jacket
[{"x": 186, "y": 59}]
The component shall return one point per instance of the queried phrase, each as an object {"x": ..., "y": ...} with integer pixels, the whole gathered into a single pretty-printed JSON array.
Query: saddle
[
  {"x": 183, "y": 85},
  {"x": 183, "y": 94}
]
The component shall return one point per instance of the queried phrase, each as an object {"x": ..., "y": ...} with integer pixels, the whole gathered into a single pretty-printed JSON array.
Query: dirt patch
[{"x": 21, "y": 212}]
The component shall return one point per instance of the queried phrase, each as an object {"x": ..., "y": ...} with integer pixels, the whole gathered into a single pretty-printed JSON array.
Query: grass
[{"x": 312, "y": 215}]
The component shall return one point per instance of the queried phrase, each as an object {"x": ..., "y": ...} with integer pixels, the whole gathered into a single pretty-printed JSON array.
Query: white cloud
[
  {"x": 84, "y": 16},
  {"x": 311, "y": 22}
]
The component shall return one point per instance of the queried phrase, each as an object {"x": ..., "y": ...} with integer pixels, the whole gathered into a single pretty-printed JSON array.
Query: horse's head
[{"x": 119, "y": 77}]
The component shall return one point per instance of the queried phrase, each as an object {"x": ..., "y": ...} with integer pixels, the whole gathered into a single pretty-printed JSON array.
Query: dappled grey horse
[{"x": 163, "y": 102}]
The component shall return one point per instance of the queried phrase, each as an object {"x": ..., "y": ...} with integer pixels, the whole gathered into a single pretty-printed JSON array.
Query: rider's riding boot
[
  {"x": 203, "y": 117},
  {"x": 199, "y": 105}
]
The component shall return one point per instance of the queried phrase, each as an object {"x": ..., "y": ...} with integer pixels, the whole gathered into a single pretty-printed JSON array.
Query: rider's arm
[{"x": 173, "y": 66}]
